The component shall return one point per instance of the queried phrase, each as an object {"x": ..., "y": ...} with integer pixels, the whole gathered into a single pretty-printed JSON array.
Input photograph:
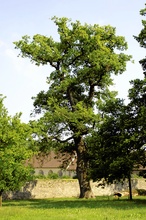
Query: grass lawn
[{"x": 101, "y": 208}]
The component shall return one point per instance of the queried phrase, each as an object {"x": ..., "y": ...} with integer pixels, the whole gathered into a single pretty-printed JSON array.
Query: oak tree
[{"x": 84, "y": 60}]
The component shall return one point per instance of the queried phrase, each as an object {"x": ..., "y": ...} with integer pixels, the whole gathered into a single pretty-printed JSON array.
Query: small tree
[
  {"x": 14, "y": 151},
  {"x": 83, "y": 60},
  {"x": 119, "y": 142}
]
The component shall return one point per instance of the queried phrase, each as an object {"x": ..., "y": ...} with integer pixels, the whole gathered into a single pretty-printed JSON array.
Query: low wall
[{"x": 40, "y": 189}]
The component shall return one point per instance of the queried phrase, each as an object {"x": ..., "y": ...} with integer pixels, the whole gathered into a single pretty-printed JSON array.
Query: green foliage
[
  {"x": 53, "y": 176},
  {"x": 66, "y": 177},
  {"x": 141, "y": 38},
  {"x": 15, "y": 149},
  {"x": 142, "y": 173},
  {"x": 108, "y": 155},
  {"x": 84, "y": 61},
  {"x": 141, "y": 192},
  {"x": 118, "y": 145}
]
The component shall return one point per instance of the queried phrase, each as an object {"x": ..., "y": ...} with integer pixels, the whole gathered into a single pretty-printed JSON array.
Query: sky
[{"x": 21, "y": 80}]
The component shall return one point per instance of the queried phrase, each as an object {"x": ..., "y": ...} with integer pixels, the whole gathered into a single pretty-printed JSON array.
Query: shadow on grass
[{"x": 100, "y": 202}]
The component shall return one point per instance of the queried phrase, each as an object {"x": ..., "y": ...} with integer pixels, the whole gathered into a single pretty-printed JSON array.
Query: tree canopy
[
  {"x": 119, "y": 145},
  {"x": 84, "y": 60},
  {"x": 15, "y": 150},
  {"x": 141, "y": 38}
]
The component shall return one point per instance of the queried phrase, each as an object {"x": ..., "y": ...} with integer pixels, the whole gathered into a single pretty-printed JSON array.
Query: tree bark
[
  {"x": 130, "y": 187},
  {"x": 82, "y": 170}
]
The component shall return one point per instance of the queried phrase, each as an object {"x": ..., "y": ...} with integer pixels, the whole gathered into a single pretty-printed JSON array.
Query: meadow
[{"x": 100, "y": 208}]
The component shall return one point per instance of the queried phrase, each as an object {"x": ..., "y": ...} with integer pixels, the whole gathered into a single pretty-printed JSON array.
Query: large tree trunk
[
  {"x": 130, "y": 187},
  {"x": 0, "y": 198},
  {"x": 82, "y": 170}
]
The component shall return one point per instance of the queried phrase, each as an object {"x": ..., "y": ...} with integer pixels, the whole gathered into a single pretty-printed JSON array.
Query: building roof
[{"x": 53, "y": 160}]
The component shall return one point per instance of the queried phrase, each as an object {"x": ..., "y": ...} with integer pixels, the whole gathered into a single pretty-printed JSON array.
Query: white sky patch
[
  {"x": 1, "y": 44},
  {"x": 20, "y": 81},
  {"x": 18, "y": 65},
  {"x": 25, "y": 68}
]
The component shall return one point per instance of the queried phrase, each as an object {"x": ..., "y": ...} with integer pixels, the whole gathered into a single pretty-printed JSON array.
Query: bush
[
  {"x": 75, "y": 177},
  {"x": 142, "y": 173},
  {"x": 39, "y": 176},
  {"x": 65, "y": 177},
  {"x": 53, "y": 176},
  {"x": 141, "y": 192}
]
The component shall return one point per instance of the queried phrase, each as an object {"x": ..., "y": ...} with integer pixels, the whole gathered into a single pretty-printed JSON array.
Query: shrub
[
  {"x": 53, "y": 176},
  {"x": 39, "y": 176},
  {"x": 142, "y": 173},
  {"x": 141, "y": 192},
  {"x": 65, "y": 177}
]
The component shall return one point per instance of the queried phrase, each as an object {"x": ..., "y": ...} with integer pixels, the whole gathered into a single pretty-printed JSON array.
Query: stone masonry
[{"x": 40, "y": 189}]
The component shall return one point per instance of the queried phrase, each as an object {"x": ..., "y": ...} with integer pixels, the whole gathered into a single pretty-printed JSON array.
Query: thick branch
[
  {"x": 56, "y": 66},
  {"x": 91, "y": 92},
  {"x": 75, "y": 58},
  {"x": 70, "y": 97},
  {"x": 93, "y": 84}
]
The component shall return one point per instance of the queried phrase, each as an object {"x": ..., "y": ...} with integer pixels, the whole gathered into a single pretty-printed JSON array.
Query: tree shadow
[
  {"x": 121, "y": 204},
  {"x": 123, "y": 186},
  {"x": 24, "y": 193}
]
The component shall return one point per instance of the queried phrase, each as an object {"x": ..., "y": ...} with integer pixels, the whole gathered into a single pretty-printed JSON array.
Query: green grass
[{"x": 101, "y": 208}]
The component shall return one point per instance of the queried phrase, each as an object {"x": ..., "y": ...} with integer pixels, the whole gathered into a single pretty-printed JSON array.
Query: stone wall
[{"x": 40, "y": 189}]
